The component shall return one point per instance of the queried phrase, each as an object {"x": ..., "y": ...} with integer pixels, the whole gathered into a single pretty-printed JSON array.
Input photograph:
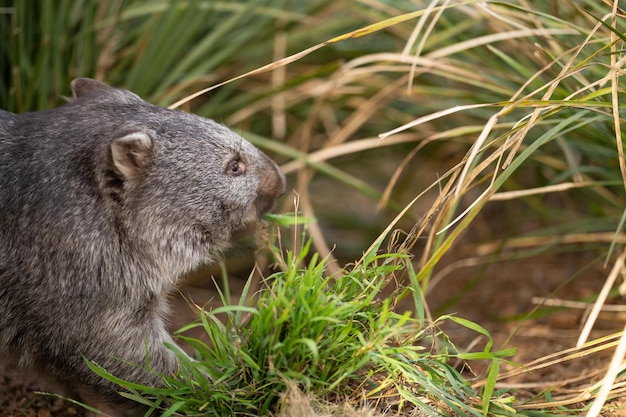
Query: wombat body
[{"x": 105, "y": 202}]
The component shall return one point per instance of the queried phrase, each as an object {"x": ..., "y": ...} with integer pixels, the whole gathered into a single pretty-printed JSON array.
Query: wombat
[{"x": 104, "y": 203}]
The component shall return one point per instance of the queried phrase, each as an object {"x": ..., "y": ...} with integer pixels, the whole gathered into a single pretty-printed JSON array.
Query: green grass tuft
[{"x": 336, "y": 338}]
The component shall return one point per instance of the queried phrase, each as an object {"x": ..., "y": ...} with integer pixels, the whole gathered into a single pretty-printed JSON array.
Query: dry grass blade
[
  {"x": 616, "y": 366},
  {"x": 347, "y": 148},
  {"x": 616, "y": 271},
  {"x": 614, "y": 74},
  {"x": 591, "y": 347},
  {"x": 510, "y": 195},
  {"x": 266, "y": 68},
  {"x": 554, "y": 302},
  {"x": 439, "y": 115},
  {"x": 297, "y": 56}
]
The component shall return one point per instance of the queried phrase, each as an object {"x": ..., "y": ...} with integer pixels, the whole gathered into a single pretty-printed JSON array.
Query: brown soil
[
  {"x": 496, "y": 297},
  {"x": 502, "y": 300}
]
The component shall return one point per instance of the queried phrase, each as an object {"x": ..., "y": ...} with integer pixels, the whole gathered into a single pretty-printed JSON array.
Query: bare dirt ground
[
  {"x": 496, "y": 297},
  {"x": 501, "y": 301}
]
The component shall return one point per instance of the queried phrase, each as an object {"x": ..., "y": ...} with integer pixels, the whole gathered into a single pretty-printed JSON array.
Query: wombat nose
[
  {"x": 282, "y": 183},
  {"x": 272, "y": 186}
]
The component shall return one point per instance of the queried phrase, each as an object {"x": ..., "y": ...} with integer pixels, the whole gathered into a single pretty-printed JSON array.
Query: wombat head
[{"x": 179, "y": 185}]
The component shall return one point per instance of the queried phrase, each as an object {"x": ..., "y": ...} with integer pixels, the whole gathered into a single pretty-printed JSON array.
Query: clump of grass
[{"x": 335, "y": 338}]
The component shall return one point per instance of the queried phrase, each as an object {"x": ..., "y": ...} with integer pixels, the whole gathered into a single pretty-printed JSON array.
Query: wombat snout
[{"x": 273, "y": 185}]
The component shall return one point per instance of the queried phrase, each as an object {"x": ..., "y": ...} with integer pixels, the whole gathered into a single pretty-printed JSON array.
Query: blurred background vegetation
[
  {"x": 541, "y": 65},
  {"x": 536, "y": 65}
]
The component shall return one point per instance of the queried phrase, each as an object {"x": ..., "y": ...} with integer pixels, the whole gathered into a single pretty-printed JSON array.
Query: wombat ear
[
  {"x": 131, "y": 153},
  {"x": 84, "y": 86}
]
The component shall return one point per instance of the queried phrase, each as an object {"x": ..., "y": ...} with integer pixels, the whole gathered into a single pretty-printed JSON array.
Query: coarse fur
[{"x": 106, "y": 202}]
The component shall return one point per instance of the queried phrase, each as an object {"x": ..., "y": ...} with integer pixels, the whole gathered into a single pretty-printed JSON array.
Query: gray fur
[{"x": 105, "y": 202}]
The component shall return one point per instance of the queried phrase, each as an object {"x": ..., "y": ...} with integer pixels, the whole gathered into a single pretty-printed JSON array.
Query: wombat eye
[{"x": 236, "y": 168}]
